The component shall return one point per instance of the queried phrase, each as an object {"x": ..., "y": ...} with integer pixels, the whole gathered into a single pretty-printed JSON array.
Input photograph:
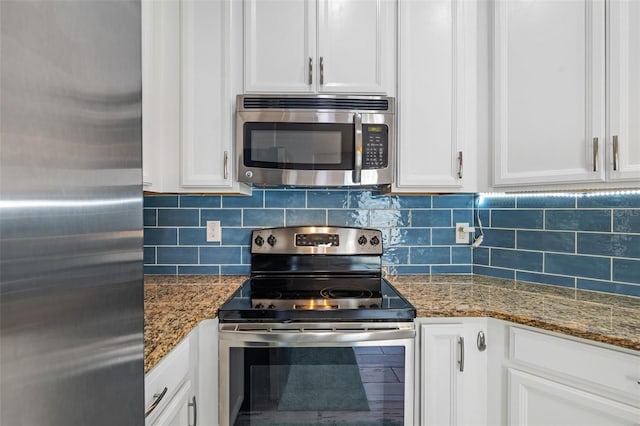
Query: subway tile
[
  {"x": 413, "y": 270},
  {"x": 193, "y": 237},
  {"x": 507, "y": 274},
  {"x": 430, "y": 255},
  {"x": 524, "y": 202},
  {"x": 411, "y": 237},
  {"x": 507, "y": 202},
  {"x": 396, "y": 256},
  {"x": 520, "y": 219},
  {"x": 484, "y": 216},
  {"x": 626, "y": 221},
  {"x": 609, "y": 287},
  {"x": 202, "y": 201},
  {"x": 430, "y": 218},
  {"x": 564, "y": 242},
  {"x": 389, "y": 218},
  {"x": 234, "y": 269},
  {"x": 227, "y": 217},
  {"x": 236, "y": 236},
  {"x": 464, "y": 201},
  {"x": 256, "y": 200},
  {"x": 302, "y": 217},
  {"x": 160, "y": 201},
  {"x": 178, "y": 217},
  {"x": 149, "y": 217},
  {"x": 220, "y": 255},
  {"x": 245, "y": 255},
  {"x": 198, "y": 270},
  {"x": 627, "y": 271},
  {"x": 328, "y": 199},
  {"x": 414, "y": 202},
  {"x": 504, "y": 238},
  {"x": 368, "y": 200},
  {"x": 443, "y": 236},
  {"x": 451, "y": 269},
  {"x": 177, "y": 255},
  {"x": 546, "y": 279},
  {"x": 285, "y": 199},
  {"x": 149, "y": 255},
  {"x": 513, "y": 259},
  {"x": 577, "y": 266},
  {"x": 461, "y": 255},
  {"x": 613, "y": 245},
  {"x": 160, "y": 236},
  {"x": 578, "y": 220},
  {"x": 481, "y": 256},
  {"x": 463, "y": 216},
  {"x": 348, "y": 217},
  {"x": 261, "y": 218},
  {"x": 610, "y": 201},
  {"x": 160, "y": 270}
]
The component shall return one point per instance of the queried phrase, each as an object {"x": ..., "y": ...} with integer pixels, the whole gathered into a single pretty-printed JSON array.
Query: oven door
[{"x": 299, "y": 374}]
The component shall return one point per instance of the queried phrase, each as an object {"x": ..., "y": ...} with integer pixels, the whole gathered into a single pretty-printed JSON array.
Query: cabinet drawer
[
  {"x": 171, "y": 372},
  {"x": 583, "y": 362}
]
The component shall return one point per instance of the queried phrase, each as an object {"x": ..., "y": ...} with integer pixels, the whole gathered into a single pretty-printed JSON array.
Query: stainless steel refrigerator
[{"x": 71, "y": 293}]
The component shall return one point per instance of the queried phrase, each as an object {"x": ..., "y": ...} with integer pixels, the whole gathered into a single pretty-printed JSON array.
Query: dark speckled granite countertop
[{"x": 174, "y": 305}]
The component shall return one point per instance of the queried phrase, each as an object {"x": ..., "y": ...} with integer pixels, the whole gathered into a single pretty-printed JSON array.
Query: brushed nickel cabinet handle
[
  {"x": 225, "y": 165},
  {"x": 460, "y": 164},
  {"x": 595, "y": 154},
  {"x": 616, "y": 152},
  {"x": 461, "y": 361},
  {"x": 158, "y": 397},
  {"x": 321, "y": 70},
  {"x": 310, "y": 78},
  {"x": 481, "y": 341},
  {"x": 193, "y": 405}
]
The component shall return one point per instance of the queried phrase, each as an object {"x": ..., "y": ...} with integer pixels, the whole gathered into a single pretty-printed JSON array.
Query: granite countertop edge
[{"x": 175, "y": 305}]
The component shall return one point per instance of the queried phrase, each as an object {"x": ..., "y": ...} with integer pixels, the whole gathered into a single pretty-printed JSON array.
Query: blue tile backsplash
[{"x": 579, "y": 241}]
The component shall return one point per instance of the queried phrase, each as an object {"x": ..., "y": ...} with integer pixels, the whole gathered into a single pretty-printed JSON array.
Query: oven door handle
[
  {"x": 306, "y": 336},
  {"x": 357, "y": 163}
]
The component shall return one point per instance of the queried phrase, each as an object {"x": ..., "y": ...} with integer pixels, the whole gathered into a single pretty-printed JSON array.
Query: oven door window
[
  {"x": 301, "y": 146},
  {"x": 361, "y": 385}
]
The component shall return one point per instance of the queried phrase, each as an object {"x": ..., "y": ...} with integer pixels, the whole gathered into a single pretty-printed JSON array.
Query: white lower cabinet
[
  {"x": 452, "y": 371},
  {"x": 554, "y": 380}
]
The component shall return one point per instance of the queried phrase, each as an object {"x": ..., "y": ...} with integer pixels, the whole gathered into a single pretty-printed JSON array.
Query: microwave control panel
[{"x": 375, "y": 146}]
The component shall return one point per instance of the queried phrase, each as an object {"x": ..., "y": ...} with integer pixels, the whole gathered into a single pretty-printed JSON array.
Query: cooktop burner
[{"x": 386, "y": 305}]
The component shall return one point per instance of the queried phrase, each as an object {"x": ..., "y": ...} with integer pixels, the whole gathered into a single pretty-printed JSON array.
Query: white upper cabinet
[
  {"x": 437, "y": 96},
  {"x": 566, "y": 94},
  {"x": 623, "y": 136},
  {"x": 320, "y": 46},
  {"x": 548, "y": 92},
  {"x": 207, "y": 94}
]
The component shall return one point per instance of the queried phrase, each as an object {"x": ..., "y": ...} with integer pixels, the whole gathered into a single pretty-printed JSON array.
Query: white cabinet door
[
  {"x": 436, "y": 96},
  {"x": 534, "y": 400},
  {"x": 623, "y": 136},
  {"x": 548, "y": 92},
  {"x": 207, "y": 372},
  {"x": 179, "y": 411},
  {"x": 452, "y": 375},
  {"x": 279, "y": 45},
  {"x": 311, "y": 46},
  {"x": 356, "y": 46},
  {"x": 207, "y": 95}
]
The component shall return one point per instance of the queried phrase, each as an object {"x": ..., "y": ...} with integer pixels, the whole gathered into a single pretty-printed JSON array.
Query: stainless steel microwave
[{"x": 315, "y": 140}]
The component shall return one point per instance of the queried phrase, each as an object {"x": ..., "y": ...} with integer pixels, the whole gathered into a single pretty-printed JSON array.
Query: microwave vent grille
[{"x": 316, "y": 103}]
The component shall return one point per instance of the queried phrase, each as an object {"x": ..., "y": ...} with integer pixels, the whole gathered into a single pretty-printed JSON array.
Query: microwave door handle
[{"x": 357, "y": 164}]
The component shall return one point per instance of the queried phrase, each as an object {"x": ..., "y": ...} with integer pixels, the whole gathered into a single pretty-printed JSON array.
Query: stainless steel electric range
[{"x": 316, "y": 335}]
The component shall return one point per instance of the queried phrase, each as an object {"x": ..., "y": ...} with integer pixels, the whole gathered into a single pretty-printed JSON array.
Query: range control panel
[{"x": 330, "y": 240}]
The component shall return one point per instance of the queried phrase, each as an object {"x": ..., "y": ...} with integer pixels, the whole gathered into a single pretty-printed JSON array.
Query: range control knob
[
  {"x": 375, "y": 241},
  {"x": 271, "y": 306},
  {"x": 259, "y": 241},
  {"x": 362, "y": 240},
  {"x": 271, "y": 240},
  {"x": 259, "y": 306}
]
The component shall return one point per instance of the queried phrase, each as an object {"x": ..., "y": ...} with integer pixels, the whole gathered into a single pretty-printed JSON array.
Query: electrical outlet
[
  {"x": 214, "y": 233},
  {"x": 462, "y": 236}
]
